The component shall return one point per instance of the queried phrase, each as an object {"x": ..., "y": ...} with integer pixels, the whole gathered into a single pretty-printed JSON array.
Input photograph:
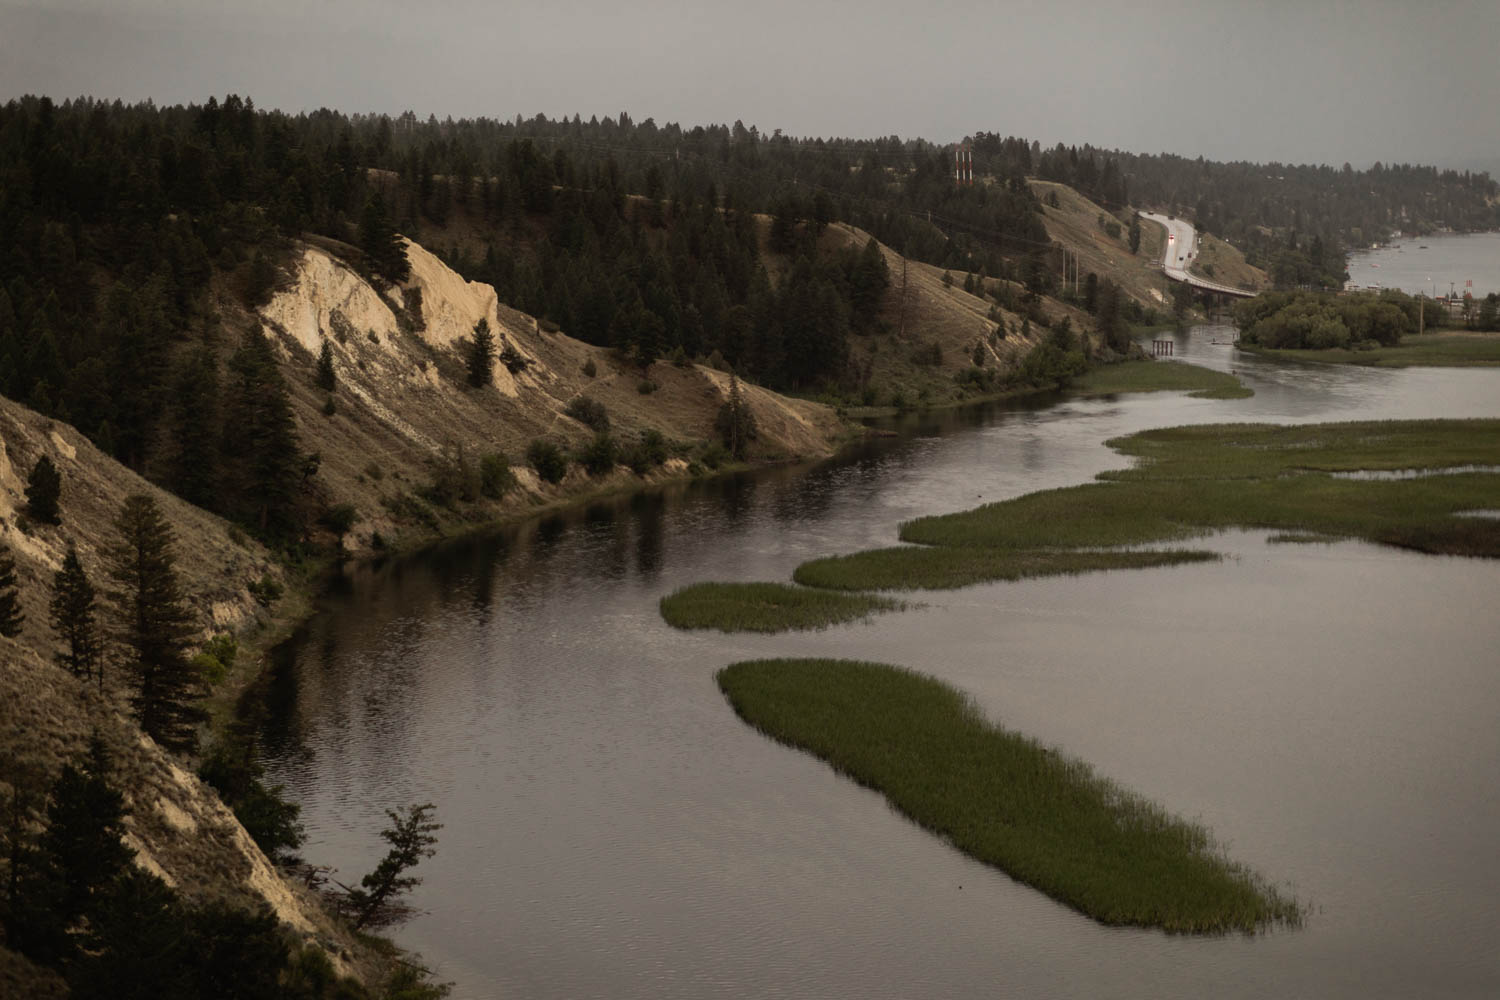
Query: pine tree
[
  {"x": 481, "y": 359},
  {"x": 195, "y": 431},
  {"x": 735, "y": 422},
  {"x": 868, "y": 284},
  {"x": 11, "y": 617},
  {"x": 73, "y": 607},
  {"x": 28, "y": 916},
  {"x": 1135, "y": 233},
  {"x": 262, "y": 458},
  {"x": 1110, "y": 320},
  {"x": 411, "y": 839},
  {"x": 43, "y": 490},
  {"x": 327, "y": 380},
  {"x": 380, "y": 241},
  {"x": 85, "y": 821},
  {"x": 154, "y": 625}
]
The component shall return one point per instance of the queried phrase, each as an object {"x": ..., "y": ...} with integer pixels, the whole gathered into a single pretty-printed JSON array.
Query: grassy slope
[
  {"x": 1046, "y": 820},
  {"x": 1075, "y": 224},
  {"x": 1155, "y": 376},
  {"x": 928, "y": 312},
  {"x": 1442, "y": 350},
  {"x": 1219, "y": 261}
]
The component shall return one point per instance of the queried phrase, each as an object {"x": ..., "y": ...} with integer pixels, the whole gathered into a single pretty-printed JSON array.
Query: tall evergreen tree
[
  {"x": 481, "y": 360},
  {"x": 1109, "y": 317},
  {"x": 11, "y": 617},
  {"x": 735, "y": 423},
  {"x": 43, "y": 491},
  {"x": 261, "y": 455},
  {"x": 27, "y": 916},
  {"x": 135, "y": 948},
  {"x": 85, "y": 823},
  {"x": 327, "y": 380},
  {"x": 868, "y": 284},
  {"x": 154, "y": 625},
  {"x": 380, "y": 241},
  {"x": 194, "y": 431},
  {"x": 73, "y": 609}
]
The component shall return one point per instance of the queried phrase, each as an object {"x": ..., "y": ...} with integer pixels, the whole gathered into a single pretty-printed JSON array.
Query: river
[
  {"x": 1432, "y": 265},
  {"x": 613, "y": 830}
]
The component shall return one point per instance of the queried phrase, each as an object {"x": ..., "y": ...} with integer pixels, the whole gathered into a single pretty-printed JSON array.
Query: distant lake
[{"x": 1429, "y": 263}]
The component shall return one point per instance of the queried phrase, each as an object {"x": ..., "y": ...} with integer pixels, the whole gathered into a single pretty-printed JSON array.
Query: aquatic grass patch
[
  {"x": 766, "y": 607},
  {"x": 1159, "y": 376},
  {"x": 1301, "y": 538},
  {"x": 1191, "y": 481},
  {"x": 1260, "y": 450},
  {"x": 922, "y": 567},
  {"x": 1045, "y": 819}
]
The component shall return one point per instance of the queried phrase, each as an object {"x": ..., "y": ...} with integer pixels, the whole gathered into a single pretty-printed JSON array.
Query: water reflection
[{"x": 613, "y": 830}]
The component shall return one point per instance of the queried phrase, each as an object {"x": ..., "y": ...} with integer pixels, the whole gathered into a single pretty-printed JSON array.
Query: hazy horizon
[{"x": 1322, "y": 82}]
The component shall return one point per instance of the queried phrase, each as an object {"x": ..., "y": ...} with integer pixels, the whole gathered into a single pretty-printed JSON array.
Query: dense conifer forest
[{"x": 118, "y": 221}]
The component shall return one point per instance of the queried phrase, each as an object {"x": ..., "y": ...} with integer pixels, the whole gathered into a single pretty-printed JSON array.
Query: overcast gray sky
[{"x": 1289, "y": 80}]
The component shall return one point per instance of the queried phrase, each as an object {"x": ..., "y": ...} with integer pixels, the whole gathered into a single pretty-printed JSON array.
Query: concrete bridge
[{"x": 1181, "y": 248}]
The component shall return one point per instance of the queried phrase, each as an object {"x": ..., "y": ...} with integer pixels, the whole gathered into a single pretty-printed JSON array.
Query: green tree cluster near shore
[{"x": 1316, "y": 321}]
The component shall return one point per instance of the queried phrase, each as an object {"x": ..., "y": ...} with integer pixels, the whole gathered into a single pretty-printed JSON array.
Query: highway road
[{"x": 1181, "y": 249}]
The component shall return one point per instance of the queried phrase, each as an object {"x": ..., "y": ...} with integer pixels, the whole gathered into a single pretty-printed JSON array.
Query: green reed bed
[
  {"x": 922, "y": 567},
  {"x": 1243, "y": 451},
  {"x": 1195, "y": 480},
  {"x": 1158, "y": 376},
  {"x": 1301, "y": 538},
  {"x": 1046, "y": 820},
  {"x": 766, "y": 607}
]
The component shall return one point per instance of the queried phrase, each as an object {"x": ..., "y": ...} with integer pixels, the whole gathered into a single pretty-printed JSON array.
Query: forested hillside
[
  {"x": 1293, "y": 221},
  {"x": 128, "y": 234}
]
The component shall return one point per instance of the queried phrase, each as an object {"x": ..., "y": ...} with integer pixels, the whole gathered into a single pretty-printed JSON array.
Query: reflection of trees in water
[
  {"x": 1033, "y": 453},
  {"x": 649, "y": 511},
  {"x": 608, "y": 535},
  {"x": 736, "y": 496},
  {"x": 352, "y": 683}
]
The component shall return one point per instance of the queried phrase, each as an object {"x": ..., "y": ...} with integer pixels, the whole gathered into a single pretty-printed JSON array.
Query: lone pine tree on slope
[{"x": 155, "y": 626}]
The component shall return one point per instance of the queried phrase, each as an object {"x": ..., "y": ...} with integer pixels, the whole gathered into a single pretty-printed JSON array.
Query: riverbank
[
  {"x": 1448, "y": 349},
  {"x": 298, "y": 601},
  {"x": 1045, "y": 819}
]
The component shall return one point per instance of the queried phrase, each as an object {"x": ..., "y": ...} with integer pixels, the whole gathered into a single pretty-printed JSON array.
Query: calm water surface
[
  {"x": 1430, "y": 263},
  {"x": 613, "y": 830}
]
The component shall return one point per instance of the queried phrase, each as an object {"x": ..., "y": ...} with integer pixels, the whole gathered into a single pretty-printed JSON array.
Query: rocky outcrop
[{"x": 403, "y": 405}]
